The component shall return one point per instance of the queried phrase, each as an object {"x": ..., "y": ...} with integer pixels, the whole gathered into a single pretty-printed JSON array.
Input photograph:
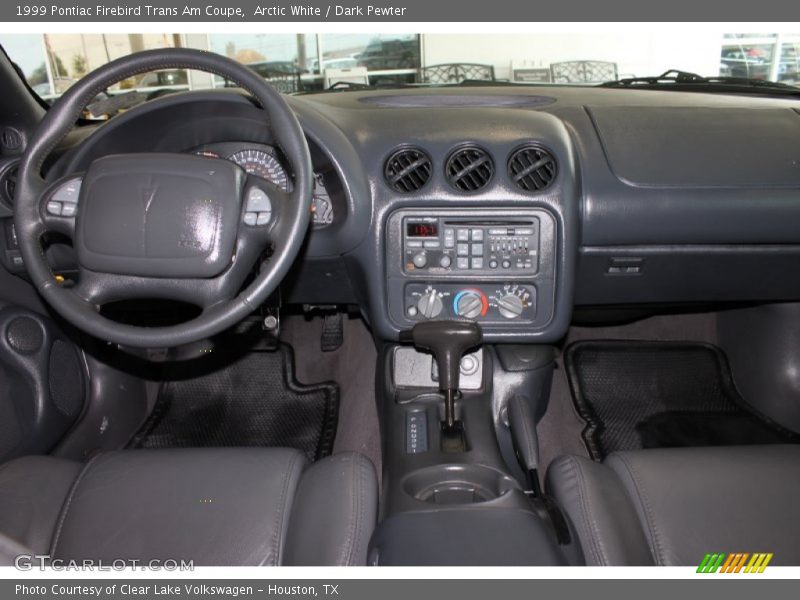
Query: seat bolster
[
  {"x": 10, "y": 550},
  {"x": 213, "y": 506},
  {"x": 599, "y": 512},
  {"x": 32, "y": 492},
  {"x": 334, "y": 512}
]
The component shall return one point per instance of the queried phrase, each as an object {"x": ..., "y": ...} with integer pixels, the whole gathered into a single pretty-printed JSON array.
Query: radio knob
[
  {"x": 420, "y": 260},
  {"x": 469, "y": 305},
  {"x": 430, "y": 305},
  {"x": 445, "y": 261},
  {"x": 510, "y": 306}
]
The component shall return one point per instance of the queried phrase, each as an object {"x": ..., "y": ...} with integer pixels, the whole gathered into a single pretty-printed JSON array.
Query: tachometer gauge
[{"x": 263, "y": 164}]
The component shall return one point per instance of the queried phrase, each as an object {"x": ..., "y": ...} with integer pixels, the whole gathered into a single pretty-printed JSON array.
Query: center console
[{"x": 470, "y": 502}]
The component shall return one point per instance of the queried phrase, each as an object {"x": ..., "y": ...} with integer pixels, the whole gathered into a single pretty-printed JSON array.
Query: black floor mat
[
  {"x": 660, "y": 394},
  {"x": 250, "y": 400}
]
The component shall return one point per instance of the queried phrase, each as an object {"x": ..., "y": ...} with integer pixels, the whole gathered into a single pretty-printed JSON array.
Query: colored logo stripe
[
  {"x": 711, "y": 562},
  {"x": 734, "y": 562},
  {"x": 758, "y": 563}
]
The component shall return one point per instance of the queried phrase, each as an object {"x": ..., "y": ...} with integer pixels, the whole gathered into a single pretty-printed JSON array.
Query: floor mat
[
  {"x": 660, "y": 394},
  {"x": 249, "y": 400}
]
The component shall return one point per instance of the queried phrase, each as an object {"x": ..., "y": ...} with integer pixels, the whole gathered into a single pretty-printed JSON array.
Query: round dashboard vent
[
  {"x": 408, "y": 170},
  {"x": 8, "y": 183},
  {"x": 469, "y": 169},
  {"x": 532, "y": 168}
]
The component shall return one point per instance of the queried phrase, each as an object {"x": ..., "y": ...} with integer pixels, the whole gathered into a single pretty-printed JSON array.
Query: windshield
[{"x": 294, "y": 63}]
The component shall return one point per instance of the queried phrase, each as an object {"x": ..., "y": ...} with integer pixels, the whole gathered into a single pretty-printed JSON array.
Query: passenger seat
[{"x": 672, "y": 506}]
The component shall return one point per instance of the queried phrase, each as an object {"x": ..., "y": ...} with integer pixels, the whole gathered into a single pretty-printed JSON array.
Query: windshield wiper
[{"x": 677, "y": 80}]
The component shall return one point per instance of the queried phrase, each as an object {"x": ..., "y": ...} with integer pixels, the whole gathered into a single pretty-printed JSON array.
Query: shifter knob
[{"x": 447, "y": 341}]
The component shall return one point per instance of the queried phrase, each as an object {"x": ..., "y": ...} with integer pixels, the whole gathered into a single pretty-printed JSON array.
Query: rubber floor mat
[
  {"x": 660, "y": 394},
  {"x": 252, "y": 400}
]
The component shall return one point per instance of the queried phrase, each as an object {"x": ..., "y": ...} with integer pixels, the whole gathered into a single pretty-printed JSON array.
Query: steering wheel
[{"x": 160, "y": 225}]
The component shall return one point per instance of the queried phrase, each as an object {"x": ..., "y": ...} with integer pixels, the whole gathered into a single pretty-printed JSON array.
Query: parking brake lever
[
  {"x": 447, "y": 341},
  {"x": 526, "y": 442}
]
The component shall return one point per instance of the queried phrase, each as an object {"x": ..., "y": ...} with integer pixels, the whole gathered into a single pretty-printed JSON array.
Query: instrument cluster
[{"x": 267, "y": 162}]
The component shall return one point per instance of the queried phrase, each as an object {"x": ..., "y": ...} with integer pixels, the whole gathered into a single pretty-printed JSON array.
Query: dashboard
[{"x": 509, "y": 206}]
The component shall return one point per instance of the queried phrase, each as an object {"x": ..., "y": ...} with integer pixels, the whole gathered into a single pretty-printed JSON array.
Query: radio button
[
  {"x": 462, "y": 263},
  {"x": 463, "y": 235},
  {"x": 413, "y": 243},
  {"x": 477, "y": 235},
  {"x": 432, "y": 244},
  {"x": 477, "y": 263},
  {"x": 463, "y": 250}
]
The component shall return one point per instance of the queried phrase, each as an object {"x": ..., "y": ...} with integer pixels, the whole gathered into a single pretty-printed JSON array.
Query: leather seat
[
  {"x": 215, "y": 506},
  {"x": 672, "y": 506}
]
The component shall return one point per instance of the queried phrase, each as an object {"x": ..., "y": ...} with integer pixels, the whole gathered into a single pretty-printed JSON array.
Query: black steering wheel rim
[{"x": 61, "y": 118}]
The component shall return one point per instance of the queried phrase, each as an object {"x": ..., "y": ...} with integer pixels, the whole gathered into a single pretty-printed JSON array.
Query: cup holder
[{"x": 458, "y": 484}]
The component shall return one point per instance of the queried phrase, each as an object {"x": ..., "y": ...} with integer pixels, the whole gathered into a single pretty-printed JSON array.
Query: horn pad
[{"x": 159, "y": 215}]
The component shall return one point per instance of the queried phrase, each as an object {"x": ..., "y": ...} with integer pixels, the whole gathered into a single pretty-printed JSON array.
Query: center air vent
[
  {"x": 469, "y": 169},
  {"x": 532, "y": 168},
  {"x": 408, "y": 170}
]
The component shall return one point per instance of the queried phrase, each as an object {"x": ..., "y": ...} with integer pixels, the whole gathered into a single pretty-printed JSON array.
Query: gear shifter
[{"x": 447, "y": 341}]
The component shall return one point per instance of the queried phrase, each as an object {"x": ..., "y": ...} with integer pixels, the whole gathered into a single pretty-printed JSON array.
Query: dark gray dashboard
[{"x": 659, "y": 197}]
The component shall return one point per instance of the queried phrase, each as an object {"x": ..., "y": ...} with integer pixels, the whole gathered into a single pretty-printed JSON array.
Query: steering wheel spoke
[
  {"x": 264, "y": 209},
  {"x": 59, "y": 205}
]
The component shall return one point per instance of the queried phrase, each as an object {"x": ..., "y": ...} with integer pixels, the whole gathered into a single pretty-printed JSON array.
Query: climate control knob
[
  {"x": 430, "y": 304},
  {"x": 510, "y": 306},
  {"x": 468, "y": 304}
]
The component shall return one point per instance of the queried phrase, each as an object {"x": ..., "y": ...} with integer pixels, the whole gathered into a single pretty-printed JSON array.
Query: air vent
[
  {"x": 8, "y": 183},
  {"x": 532, "y": 168},
  {"x": 408, "y": 170},
  {"x": 469, "y": 169}
]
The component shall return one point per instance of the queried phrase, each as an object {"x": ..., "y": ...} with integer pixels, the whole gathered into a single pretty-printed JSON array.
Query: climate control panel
[{"x": 498, "y": 303}]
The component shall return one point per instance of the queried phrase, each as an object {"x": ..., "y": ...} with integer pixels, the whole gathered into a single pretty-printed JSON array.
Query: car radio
[{"x": 439, "y": 245}]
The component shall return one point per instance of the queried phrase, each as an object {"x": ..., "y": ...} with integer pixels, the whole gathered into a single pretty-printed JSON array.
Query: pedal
[
  {"x": 332, "y": 332},
  {"x": 271, "y": 325}
]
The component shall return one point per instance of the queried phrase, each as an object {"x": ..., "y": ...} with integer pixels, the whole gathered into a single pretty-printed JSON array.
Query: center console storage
[{"x": 469, "y": 505}]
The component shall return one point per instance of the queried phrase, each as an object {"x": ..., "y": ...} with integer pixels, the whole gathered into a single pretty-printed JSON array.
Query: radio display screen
[{"x": 422, "y": 230}]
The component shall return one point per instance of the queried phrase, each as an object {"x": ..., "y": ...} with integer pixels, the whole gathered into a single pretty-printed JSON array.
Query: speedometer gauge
[{"x": 263, "y": 164}]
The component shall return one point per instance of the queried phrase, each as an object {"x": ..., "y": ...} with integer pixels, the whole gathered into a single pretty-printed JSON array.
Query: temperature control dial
[
  {"x": 470, "y": 304},
  {"x": 430, "y": 304},
  {"x": 510, "y": 306}
]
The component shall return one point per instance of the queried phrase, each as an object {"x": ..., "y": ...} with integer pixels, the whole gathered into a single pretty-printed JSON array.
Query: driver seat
[{"x": 213, "y": 506}]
